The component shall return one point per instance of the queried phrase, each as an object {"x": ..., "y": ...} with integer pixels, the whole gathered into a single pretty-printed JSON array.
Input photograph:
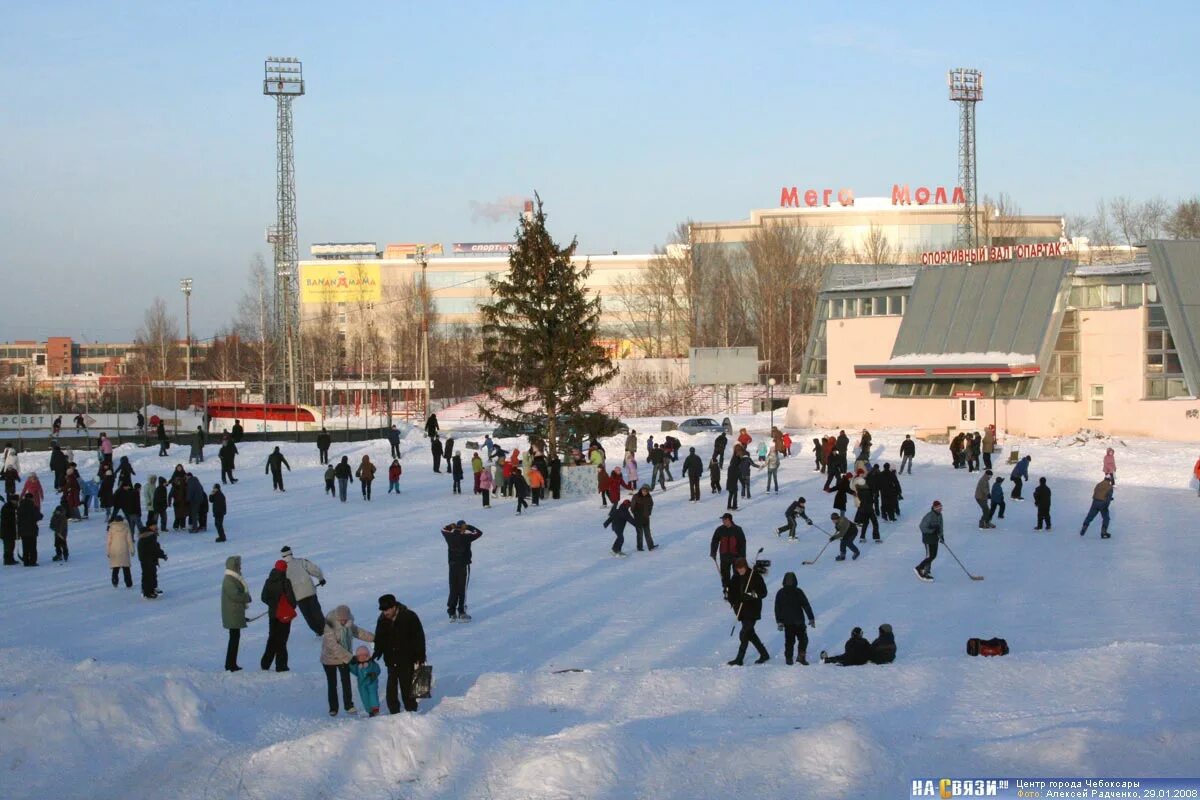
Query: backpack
[
  {"x": 987, "y": 647},
  {"x": 284, "y": 610}
]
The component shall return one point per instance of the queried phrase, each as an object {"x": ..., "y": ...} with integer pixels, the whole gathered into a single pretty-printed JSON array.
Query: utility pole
[
  {"x": 424, "y": 261},
  {"x": 185, "y": 286}
]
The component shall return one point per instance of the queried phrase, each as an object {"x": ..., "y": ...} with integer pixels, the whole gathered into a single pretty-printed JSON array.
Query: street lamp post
[
  {"x": 424, "y": 262},
  {"x": 771, "y": 399},
  {"x": 185, "y": 286},
  {"x": 995, "y": 379}
]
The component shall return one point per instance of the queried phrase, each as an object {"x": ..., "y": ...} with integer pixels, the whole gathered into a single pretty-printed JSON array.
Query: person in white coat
[
  {"x": 301, "y": 571},
  {"x": 119, "y": 549},
  {"x": 11, "y": 460}
]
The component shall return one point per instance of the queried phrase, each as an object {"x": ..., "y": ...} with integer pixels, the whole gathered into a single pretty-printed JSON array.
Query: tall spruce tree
[{"x": 540, "y": 354}]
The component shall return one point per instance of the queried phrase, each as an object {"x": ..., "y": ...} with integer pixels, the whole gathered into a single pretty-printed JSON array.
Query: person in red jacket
[
  {"x": 616, "y": 482},
  {"x": 394, "y": 476},
  {"x": 744, "y": 438},
  {"x": 1196, "y": 472}
]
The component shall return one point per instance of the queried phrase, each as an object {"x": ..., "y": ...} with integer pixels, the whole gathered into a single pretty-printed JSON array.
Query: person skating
[
  {"x": 28, "y": 517},
  {"x": 1041, "y": 501},
  {"x": 393, "y": 437},
  {"x": 235, "y": 597},
  {"x": 119, "y": 549},
  {"x": 275, "y": 464},
  {"x": 227, "y": 455},
  {"x": 323, "y": 442},
  {"x": 729, "y": 541},
  {"x": 845, "y": 530},
  {"x": 58, "y": 526},
  {"x": 618, "y": 517},
  {"x": 330, "y": 478},
  {"x": 733, "y": 477},
  {"x": 58, "y": 465},
  {"x": 983, "y": 491},
  {"x": 537, "y": 483},
  {"x": 642, "y": 507},
  {"x": 337, "y": 639},
  {"x": 932, "y": 534},
  {"x": 996, "y": 497},
  {"x": 237, "y": 431},
  {"x": 890, "y": 493},
  {"x": 818, "y": 455},
  {"x": 301, "y": 571},
  {"x": 456, "y": 477},
  {"x": 33, "y": 488},
  {"x": 883, "y": 649},
  {"x": 1018, "y": 476},
  {"x": 158, "y": 504},
  {"x": 219, "y": 507},
  {"x": 400, "y": 642},
  {"x": 746, "y": 592},
  {"x": 150, "y": 552},
  {"x": 772, "y": 464},
  {"x": 908, "y": 451},
  {"x": 791, "y": 610},
  {"x": 196, "y": 499},
  {"x": 521, "y": 488},
  {"x": 435, "y": 449},
  {"x": 1196, "y": 474},
  {"x": 719, "y": 445},
  {"x": 164, "y": 444},
  {"x": 8, "y": 529},
  {"x": 856, "y": 652},
  {"x": 459, "y": 537},
  {"x": 394, "y": 472},
  {"x": 658, "y": 472},
  {"x": 345, "y": 475},
  {"x": 744, "y": 466},
  {"x": 843, "y": 490},
  {"x": 988, "y": 446},
  {"x": 1102, "y": 496},
  {"x": 486, "y": 484},
  {"x": 366, "y": 476},
  {"x": 281, "y": 610},
  {"x": 796, "y": 509},
  {"x": 367, "y": 673},
  {"x": 864, "y": 497},
  {"x": 1110, "y": 465},
  {"x": 197, "y": 453},
  {"x": 431, "y": 426},
  {"x": 693, "y": 470},
  {"x": 714, "y": 475}
]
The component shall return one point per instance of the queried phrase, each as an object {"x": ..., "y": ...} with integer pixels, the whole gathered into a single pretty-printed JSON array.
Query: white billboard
[{"x": 722, "y": 366}]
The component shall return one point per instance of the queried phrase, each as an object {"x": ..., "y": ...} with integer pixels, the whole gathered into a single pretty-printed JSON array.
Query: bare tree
[
  {"x": 158, "y": 355},
  {"x": 1184, "y": 221},
  {"x": 877, "y": 248},
  {"x": 1100, "y": 229},
  {"x": 253, "y": 322},
  {"x": 1000, "y": 221}
]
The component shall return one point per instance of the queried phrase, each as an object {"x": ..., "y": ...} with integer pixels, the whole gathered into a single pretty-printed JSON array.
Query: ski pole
[
  {"x": 964, "y": 569},
  {"x": 746, "y": 588},
  {"x": 260, "y": 616}
]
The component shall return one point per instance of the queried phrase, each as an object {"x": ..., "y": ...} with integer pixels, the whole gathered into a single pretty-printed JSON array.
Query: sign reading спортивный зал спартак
[
  {"x": 1000, "y": 252},
  {"x": 1092, "y": 788}
]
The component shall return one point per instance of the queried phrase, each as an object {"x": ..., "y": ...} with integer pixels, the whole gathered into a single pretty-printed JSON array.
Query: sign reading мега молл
[{"x": 902, "y": 195}]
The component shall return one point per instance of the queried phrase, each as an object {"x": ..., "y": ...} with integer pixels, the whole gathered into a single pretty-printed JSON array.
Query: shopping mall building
[{"x": 1042, "y": 345}]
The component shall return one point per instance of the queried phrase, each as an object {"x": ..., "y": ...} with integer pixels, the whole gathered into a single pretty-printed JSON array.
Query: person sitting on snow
[{"x": 857, "y": 651}]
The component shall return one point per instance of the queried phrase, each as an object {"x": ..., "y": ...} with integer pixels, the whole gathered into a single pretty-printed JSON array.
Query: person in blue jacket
[
  {"x": 1020, "y": 474},
  {"x": 997, "y": 500},
  {"x": 367, "y": 672}
]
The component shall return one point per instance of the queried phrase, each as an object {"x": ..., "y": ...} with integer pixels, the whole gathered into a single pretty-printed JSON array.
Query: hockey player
[
  {"x": 796, "y": 509},
  {"x": 791, "y": 608}
]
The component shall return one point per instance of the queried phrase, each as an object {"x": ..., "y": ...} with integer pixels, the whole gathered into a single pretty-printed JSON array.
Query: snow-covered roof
[
  {"x": 1134, "y": 268},
  {"x": 955, "y": 359},
  {"x": 887, "y": 283}
]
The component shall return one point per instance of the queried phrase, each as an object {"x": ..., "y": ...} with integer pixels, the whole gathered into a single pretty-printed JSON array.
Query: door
[{"x": 966, "y": 410}]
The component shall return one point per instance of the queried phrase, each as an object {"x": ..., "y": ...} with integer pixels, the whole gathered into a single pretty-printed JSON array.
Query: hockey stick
[
  {"x": 818, "y": 555},
  {"x": 964, "y": 569},
  {"x": 746, "y": 588},
  {"x": 260, "y": 616}
]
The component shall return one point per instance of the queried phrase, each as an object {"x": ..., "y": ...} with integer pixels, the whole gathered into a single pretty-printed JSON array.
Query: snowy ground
[{"x": 103, "y": 694}]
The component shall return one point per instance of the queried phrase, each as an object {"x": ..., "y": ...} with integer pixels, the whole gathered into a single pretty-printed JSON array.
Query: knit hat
[
  {"x": 281, "y": 565},
  {"x": 283, "y": 551},
  {"x": 856, "y": 632},
  {"x": 727, "y": 515},
  {"x": 387, "y": 601},
  {"x": 362, "y": 653},
  {"x": 885, "y": 628}
]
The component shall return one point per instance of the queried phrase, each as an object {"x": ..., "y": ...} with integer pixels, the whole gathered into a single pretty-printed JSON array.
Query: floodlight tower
[
  {"x": 283, "y": 79},
  {"x": 966, "y": 89}
]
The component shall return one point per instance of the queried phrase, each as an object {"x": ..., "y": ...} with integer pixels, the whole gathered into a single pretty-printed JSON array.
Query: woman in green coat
[{"x": 235, "y": 596}]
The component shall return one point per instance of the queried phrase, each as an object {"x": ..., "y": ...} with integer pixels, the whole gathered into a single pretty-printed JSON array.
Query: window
[
  {"x": 1096, "y": 405},
  {"x": 1133, "y": 294},
  {"x": 835, "y": 308},
  {"x": 895, "y": 304},
  {"x": 1062, "y": 371},
  {"x": 851, "y": 309},
  {"x": 1163, "y": 370},
  {"x": 868, "y": 304},
  {"x": 1112, "y": 295}
]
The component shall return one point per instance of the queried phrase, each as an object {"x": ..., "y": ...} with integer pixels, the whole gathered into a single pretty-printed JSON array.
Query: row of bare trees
[{"x": 1121, "y": 223}]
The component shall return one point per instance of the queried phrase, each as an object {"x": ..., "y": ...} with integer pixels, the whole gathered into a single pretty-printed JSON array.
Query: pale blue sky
[{"x": 137, "y": 147}]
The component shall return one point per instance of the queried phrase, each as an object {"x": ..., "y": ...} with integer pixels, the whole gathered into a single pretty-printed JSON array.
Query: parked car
[{"x": 700, "y": 425}]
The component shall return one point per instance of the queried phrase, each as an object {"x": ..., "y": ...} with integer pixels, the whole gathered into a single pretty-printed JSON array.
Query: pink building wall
[{"x": 1111, "y": 355}]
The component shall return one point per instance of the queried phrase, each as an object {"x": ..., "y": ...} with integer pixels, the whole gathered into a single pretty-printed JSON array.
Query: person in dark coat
[
  {"x": 714, "y": 475},
  {"x": 149, "y": 553},
  {"x": 1041, "y": 501},
  {"x": 448, "y": 450},
  {"x": 58, "y": 465},
  {"x": 693, "y": 470},
  {"x": 746, "y": 592},
  {"x": 179, "y": 499},
  {"x": 456, "y": 476},
  {"x": 400, "y": 642},
  {"x": 733, "y": 476},
  {"x": 345, "y": 475},
  {"x": 883, "y": 649},
  {"x": 237, "y": 431},
  {"x": 195, "y": 498},
  {"x": 908, "y": 451},
  {"x": 197, "y": 453},
  {"x": 158, "y": 507},
  {"x": 275, "y": 464},
  {"x": 431, "y": 426},
  {"x": 889, "y": 493},
  {"x": 618, "y": 517},
  {"x": 275, "y": 588},
  {"x": 1019, "y": 474},
  {"x": 818, "y": 455},
  {"x": 791, "y": 610},
  {"x": 932, "y": 534},
  {"x": 856, "y": 652},
  {"x": 642, "y": 506},
  {"x": 719, "y": 449},
  {"x": 555, "y": 479},
  {"x": 865, "y": 513},
  {"x": 28, "y": 517},
  {"x": 875, "y": 483},
  {"x": 997, "y": 499},
  {"x": 227, "y": 454},
  {"x": 8, "y": 529},
  {"x": 323, "y": 441},
  {"x": 217, "y": 500},
  {"x": 459, "y": 537},
  {"x": 393, "y": 437},
  {"x": 125, "y": 471},
  {"x": 728, "y": 541},
  {"x": 164, "y": 444},
  {"x": 798, "y": 508},
  {"x": 845, "y": 530},
  {"x": 435, "y": 447},
  {"x": 520, "y": 488},
  {"x": 843, "y": 489},
  {"x": 107, "y": 484},
  {"x": 130, "y": 504},
  {"x": 744, "y": 466}
]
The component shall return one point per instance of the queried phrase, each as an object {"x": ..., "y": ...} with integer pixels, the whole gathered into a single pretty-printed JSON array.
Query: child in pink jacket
[{"x": 1110, "y": 465}]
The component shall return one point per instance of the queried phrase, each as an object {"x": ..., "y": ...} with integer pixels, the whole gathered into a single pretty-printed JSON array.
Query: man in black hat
[
  {"x": 400, "y": 642},
  {"x": 729, "y": 541},
  {"x": 459, "y": 537}
]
